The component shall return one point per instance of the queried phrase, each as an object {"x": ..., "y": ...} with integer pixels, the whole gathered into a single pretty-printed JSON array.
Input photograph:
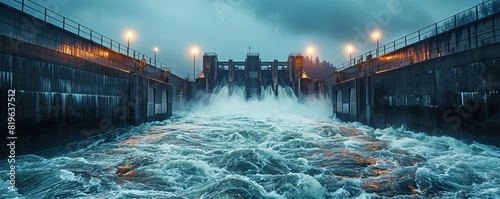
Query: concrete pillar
[
  {"x": 252, "y": 75},
  {"x": 231, "y": 77},
  {"x": 274, "y": 73}
]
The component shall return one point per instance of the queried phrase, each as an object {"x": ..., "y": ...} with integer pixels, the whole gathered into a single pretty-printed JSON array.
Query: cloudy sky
[{"x": 274, "y": 28}]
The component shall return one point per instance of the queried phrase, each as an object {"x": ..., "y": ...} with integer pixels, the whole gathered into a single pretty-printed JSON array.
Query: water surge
[{"x": 277, "y": 147}]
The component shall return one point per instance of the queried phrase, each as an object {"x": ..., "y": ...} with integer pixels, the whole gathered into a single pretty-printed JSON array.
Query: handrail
[
  {"x": 210, "y": 54},
  {"x": 252, "y": 54},
  {"x": 49, "y": 16},
  {"x": 465, "y": 17},
  {"x": 422, "y": 52}
]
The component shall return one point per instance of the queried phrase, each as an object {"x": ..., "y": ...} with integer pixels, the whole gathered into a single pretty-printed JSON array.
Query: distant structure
[{"x": 253, "y": 74}]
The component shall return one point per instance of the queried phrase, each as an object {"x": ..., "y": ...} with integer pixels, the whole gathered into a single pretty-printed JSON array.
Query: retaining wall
[{"x": 69, "y": 88}]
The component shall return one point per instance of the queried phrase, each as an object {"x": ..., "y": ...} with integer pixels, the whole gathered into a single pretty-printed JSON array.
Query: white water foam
[
  {"x": 275, "y": 147},
  {"x": 269, "y": 105}
]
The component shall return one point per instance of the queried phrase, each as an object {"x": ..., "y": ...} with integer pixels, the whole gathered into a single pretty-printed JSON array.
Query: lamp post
[
  {"x": 350, "y": 49},
  {"x": 195, "y": 50},
  {"x": 311, "y": 50},
  {"x": 376, "y": 36},
  {"x": 156, "y": 50},
  {"x": 129, "y": 36}
]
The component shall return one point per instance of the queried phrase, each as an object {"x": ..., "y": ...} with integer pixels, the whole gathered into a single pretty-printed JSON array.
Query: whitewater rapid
[{"x": 275, "y": 147}]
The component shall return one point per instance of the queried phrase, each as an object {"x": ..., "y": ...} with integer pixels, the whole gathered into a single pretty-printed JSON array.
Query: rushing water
[{"x": 228, "y": 147}]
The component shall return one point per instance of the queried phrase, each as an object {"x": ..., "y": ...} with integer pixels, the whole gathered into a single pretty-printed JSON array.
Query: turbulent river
[{"x": 276, "y": 147}]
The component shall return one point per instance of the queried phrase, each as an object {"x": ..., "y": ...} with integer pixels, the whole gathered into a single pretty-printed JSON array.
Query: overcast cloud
[{"x": 337, "y": 19}]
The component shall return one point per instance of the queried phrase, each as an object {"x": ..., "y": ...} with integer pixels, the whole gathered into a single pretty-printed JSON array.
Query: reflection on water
[{"x": 272, "y": 148}]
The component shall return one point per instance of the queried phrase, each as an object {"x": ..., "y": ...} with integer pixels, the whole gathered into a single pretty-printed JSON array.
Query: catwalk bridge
[{"x": 69, "y": 78}]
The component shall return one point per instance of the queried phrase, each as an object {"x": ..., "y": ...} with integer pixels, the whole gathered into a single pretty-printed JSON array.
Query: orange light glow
[
  {"x": 195, "y": 50},
  {"x": 129, "y": 35},
  {"x": 350, "y": 48},
  {"x": 376, "y": 35},
  {"x": 310, "y": 50},
  {"x": 156, "y": 49}
]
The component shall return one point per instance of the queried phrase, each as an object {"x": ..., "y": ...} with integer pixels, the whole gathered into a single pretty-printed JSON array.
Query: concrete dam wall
[
  {"x": 69, "y": 88},
  {"x": 461, "y": 100},
  {"x": 447, "y": 84}
]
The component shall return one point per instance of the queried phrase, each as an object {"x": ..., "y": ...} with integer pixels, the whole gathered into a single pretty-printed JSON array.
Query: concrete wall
[
  {"x": 457, "y": 95},
  {"x": 482, "y": 32},
  {"x": 70, "y": 88},
  {"x": 179, "y": 91},
  {"x": 61, "y": 98},
  {"x": 444, "y": 84},
  {"x": 22, "y": 27}
]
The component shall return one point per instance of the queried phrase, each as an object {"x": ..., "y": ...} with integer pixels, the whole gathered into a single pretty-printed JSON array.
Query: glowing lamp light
[
  {"x": 376, "y": 34},
  {"x": 350, "y": 48},
  {"x": 129, "y": 35},
  {"x": 194, "y": 51},
  {"x": 310, "y": 50}
]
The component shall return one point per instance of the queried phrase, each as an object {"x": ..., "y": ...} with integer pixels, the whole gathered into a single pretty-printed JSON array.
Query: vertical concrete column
[
  {"x": 274, "y": 72},
  {"x": 252, "y": 75},
  {"x": 231, "y": 76},
  {"x": 170, "y": 99},
  {"x": 369, "y": 98},
  {"x": 295, "y": 63},
  {"x": 138, "y": 93}
]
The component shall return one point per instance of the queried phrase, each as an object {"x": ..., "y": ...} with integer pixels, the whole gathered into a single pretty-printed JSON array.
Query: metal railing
[
  {"x": 470, "y": 15},
  {"x": 211, "y": 54},
  {"x": 36, "y": 10},
  {"x": 416, "y": 53},
  {"x": 252, "y": 54}
]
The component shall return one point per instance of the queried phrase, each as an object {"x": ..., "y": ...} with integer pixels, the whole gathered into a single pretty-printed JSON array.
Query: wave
[{"x": 275, "y": 147}]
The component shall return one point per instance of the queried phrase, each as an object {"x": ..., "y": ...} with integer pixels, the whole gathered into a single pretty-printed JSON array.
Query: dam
[
  {"x": 442, "y": 79},
  {"x": 97, "y": 119}
]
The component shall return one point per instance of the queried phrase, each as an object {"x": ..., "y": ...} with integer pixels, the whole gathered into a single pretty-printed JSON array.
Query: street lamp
[
  {"x": 129, "y": 36},
  {"x": 376, "y": 36},
  {"x": 350, "y": 49},
  {"x": 310, "y": 50},
  {"x": 156, "y": 50},
  {"x": 194, "y": 51}
]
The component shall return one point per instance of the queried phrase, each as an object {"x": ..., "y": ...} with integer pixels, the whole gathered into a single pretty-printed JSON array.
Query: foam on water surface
[{"x": 275, "y": 147}]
